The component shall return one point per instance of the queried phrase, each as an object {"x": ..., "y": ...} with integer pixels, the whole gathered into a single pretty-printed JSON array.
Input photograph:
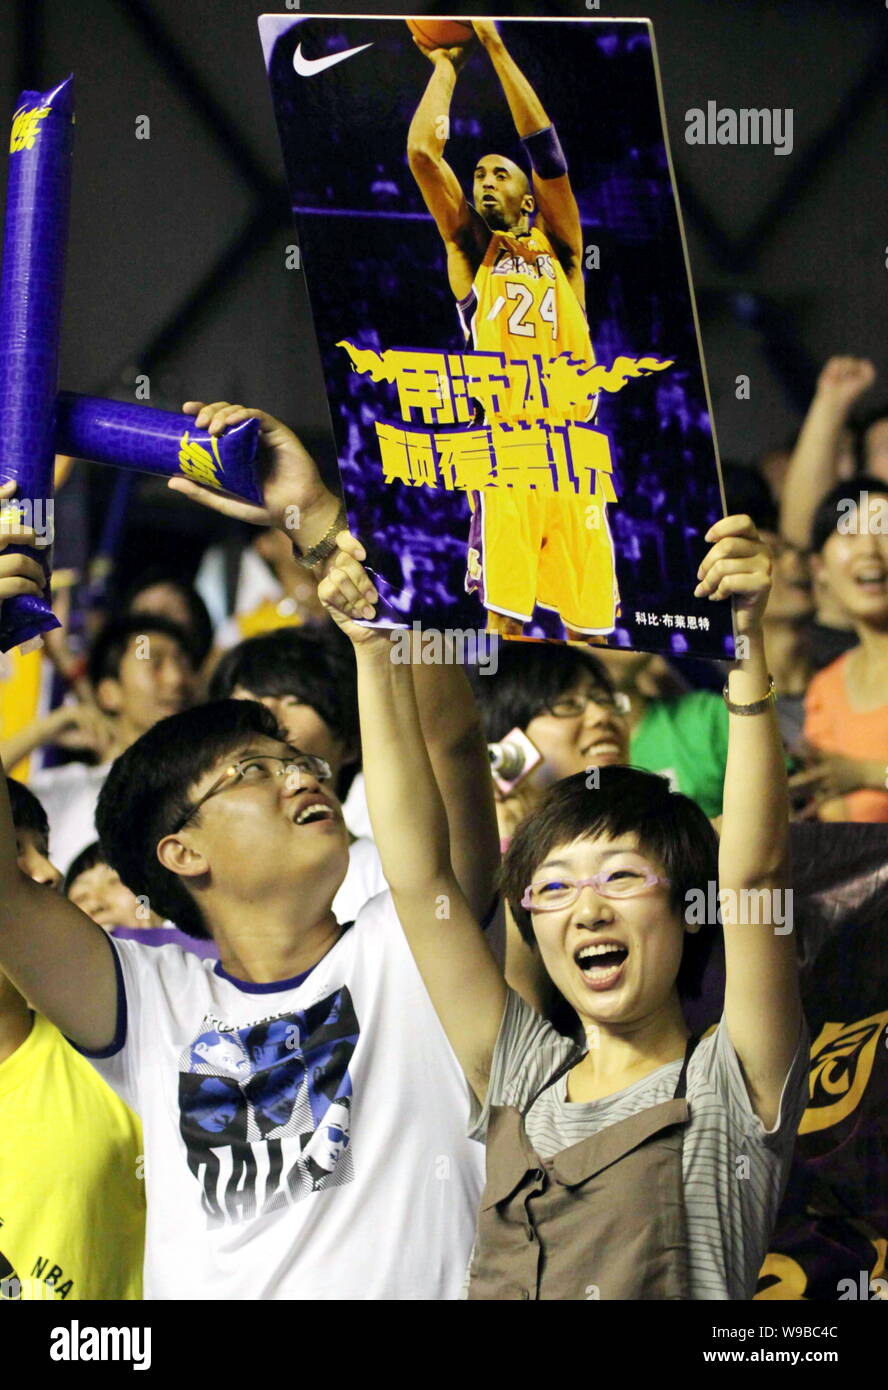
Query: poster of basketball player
[{"x": 493, "y": 253}]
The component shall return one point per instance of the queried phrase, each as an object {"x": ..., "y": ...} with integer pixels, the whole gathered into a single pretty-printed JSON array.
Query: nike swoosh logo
[{"x": 307, "y": 67}]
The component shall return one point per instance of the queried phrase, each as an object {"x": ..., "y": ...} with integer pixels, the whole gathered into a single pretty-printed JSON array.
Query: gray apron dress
[{"x": 603, "y": 1219}]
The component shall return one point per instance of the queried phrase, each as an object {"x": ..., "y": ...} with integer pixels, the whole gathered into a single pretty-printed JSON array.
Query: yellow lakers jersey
[{"x": 521, "y": 305}]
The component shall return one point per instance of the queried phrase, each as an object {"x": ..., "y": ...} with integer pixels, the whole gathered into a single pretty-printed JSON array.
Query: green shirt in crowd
[{"x": 686, "y": 740}]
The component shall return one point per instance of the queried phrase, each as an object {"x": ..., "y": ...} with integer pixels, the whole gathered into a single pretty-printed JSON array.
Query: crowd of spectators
[{"x": 821, "y": 507}]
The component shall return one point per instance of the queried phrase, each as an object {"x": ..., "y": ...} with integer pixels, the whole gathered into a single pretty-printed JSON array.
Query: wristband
[
  {"x": 757, "y": 706},
  {"x": 545, "y": 153},
  {"x": 325, "y": 546}
]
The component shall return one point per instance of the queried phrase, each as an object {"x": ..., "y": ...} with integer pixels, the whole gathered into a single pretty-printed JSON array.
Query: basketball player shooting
[{"x": 515, "y": 266}]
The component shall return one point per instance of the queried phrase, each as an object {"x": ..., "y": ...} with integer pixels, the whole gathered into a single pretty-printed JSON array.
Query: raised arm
[
  {"x": 54, "y": 955},
  {"x": 411, "y": 832},
  {"x": 462, "y": 229},
  {"x": 298, "y": 504},
  {"x": 73, "y": 726},
  {"x": 453, "y": 736},
  {"x": 812, "y": 468},
  {"x": 762, "y": 1006},
  {"x": 551, "y": 182}
]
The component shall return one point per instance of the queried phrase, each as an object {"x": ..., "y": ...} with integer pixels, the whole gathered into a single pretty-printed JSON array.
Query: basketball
[{"x": 441, "y": 33}]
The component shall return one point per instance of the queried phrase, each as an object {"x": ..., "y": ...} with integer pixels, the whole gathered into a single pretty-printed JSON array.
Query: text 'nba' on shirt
[{"x": 76, "y": 1343}]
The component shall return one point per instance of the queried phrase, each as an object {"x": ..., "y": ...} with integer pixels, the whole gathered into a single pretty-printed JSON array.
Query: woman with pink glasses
[{"x": 646, "y": 1164}]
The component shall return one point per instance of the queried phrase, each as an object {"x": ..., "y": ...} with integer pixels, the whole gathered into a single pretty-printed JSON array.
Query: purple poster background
[{"x": 376, "y": 275}]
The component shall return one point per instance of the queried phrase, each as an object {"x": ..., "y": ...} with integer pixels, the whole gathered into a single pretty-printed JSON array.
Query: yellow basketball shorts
[{"x": 552, "y": 549}]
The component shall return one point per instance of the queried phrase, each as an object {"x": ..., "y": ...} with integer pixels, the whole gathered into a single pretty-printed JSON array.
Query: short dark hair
[
  {"x": 670, "y": 827},
  {"x": 81, "y": 863},
  {"x": 832, "y": 508},
  {"x": 112, "y": 643},
  {"x": 147, "y": 790},
  {"x": 200, "y": 624},
  {"x": 747, "y": 493},
  {"x": 529, "y": 676},
  {"x": 317, "y": 666},
  {"x": 27, "y": 811}
]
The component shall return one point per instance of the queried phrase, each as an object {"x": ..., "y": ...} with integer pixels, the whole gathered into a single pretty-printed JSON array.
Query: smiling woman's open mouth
[{"x": 601, "y": 962}]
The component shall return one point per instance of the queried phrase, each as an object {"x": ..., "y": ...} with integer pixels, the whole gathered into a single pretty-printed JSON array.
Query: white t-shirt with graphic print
[{"x": 304, "y": 1139}]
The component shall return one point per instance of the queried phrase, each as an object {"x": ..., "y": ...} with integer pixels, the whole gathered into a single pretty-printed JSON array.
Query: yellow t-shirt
[{"x": 72, "y": 1198}]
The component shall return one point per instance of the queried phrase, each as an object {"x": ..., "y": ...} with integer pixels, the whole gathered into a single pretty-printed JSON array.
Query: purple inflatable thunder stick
[
  {"x": 35, "y": 422},
  {"x": 31, "y": 289},
  {"x": 159, "y": 442}
]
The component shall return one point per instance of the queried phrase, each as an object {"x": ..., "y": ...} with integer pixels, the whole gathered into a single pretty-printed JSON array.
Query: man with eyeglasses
[
  {"x": 301, "y": 1161},
  {"x": 305, "y": 1117},
  {"x": 261, "y": 767}
]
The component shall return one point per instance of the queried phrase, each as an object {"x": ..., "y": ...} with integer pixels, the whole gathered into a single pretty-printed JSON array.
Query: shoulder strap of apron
[
  {"x": 682, "y": 1086},
  {"x": 572, "y": 1059},
  {"x": 566, "y": 1066}
]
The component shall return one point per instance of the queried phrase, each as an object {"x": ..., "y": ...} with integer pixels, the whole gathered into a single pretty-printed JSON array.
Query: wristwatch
[
  {"x": 757, "y": 706},
  {"x": 310, "y": 559}
]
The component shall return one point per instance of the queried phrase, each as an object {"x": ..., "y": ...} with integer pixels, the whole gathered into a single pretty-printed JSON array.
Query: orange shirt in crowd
[{"x": 832, "y": 724}]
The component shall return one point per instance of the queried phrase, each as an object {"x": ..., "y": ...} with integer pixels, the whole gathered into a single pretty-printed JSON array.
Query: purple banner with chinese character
[{"x": 494, "y": 257}]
